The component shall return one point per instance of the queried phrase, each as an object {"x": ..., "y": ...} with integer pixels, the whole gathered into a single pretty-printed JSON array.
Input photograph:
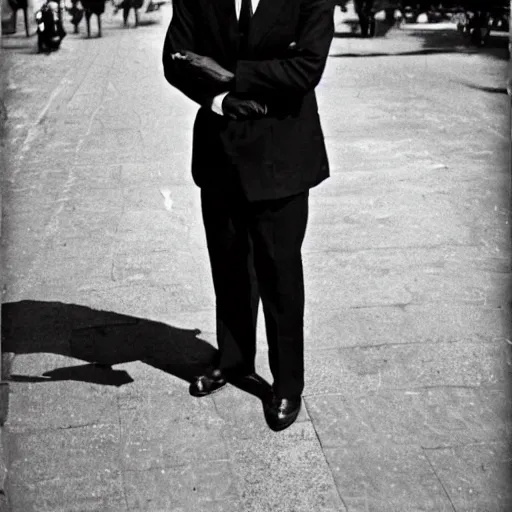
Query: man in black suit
[
  {"x": 258, "y": 147},
  {"x": 366, "y": 14}
]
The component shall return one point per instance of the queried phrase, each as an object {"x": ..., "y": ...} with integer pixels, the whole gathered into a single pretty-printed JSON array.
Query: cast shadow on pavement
[
  {"x": 439, "y": 41},
  {"x": 426, "y": 51},
  {"x": 492, "y": 90},
  {"x": 452, "y": 40},
  {"x": 142, "y": 24},
  {"x": 347, "y": 35},
  {"x": 103, "y": 339},
  {"x": 381, "y": 30}
]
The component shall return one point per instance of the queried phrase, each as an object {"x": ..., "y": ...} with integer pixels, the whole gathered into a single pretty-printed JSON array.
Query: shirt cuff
[{"x": 217, "y": 103}]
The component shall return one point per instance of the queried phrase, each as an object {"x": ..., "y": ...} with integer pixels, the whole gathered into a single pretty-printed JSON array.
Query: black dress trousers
[{"x": 255, "y": 252}]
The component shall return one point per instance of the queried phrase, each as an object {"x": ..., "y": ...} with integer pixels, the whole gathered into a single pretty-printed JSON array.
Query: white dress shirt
[
  {"x": 238, "y": 6},
  {"x": 217, "y": 101}
]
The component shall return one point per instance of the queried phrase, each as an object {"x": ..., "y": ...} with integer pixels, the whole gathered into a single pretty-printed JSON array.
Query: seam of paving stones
[
  {"x": 439, "y": 480},
  {"x": 398, "y": 248},
  {"x": 229, "y": 459},
  {"x": 21, "y": 431},
  {"x": 310, "y": 348},
  {"x": 493, "y": 387},
  {"x": 487, "y": 442},
  {"x": 326, "y": 460},
  {"x": 492, "y": 305}
]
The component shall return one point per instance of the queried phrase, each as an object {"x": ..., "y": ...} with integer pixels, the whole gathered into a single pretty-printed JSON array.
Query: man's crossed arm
[{"x": 227, "y": 103}]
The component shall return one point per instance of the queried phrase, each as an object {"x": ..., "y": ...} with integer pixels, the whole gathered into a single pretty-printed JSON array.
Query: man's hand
[
  {"x": 238, "y": 108},
  {"x": 205, "y": 67}
]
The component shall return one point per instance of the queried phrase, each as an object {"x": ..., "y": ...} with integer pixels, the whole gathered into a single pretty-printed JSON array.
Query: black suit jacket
[{"x": 282, "y": 153}]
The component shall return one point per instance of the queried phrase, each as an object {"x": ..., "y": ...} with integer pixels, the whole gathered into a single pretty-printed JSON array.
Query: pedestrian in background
[
  {"x": 258, "y": 147},
  {"x": 15, "y": 6},
  {"x": 366, "y": 13},
  {"x": 127, "y": 6},
  {"x": 76, "y": 13},
  {"x": 91, "y": 7}
]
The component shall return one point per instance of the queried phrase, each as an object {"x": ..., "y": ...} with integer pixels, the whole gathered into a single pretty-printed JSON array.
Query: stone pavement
[{"x": 407, "y": 262}]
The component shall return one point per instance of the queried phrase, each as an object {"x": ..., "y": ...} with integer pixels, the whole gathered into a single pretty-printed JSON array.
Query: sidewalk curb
[
  {"x": 5, "y": 360},
  {"x": 4, "y": 410},
  {"x": 4, "y": 500}
]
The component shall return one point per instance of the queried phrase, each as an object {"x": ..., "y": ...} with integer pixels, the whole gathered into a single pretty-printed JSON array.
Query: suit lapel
[
  {"x": 263, "y": 19},
  {"x": 225, "y": 24}
]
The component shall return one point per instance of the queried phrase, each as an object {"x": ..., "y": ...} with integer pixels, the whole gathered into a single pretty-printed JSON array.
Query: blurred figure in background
[
  {"x": 131, "y": 4},
  {"x": 76, "y": 13},
  {"x": 342, "y": 4},
  {"x": 366, "y": 14},
  {"x": 479, "y": 24},
  {"x": 126, "y": 6},
  {"x": 50, "y": 31},
  {"x": 91, "y": 7},
  {"x": 16, "y": 5}
]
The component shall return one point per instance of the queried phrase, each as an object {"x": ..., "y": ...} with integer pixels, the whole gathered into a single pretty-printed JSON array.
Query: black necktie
[{"x": 244, "y": 22}]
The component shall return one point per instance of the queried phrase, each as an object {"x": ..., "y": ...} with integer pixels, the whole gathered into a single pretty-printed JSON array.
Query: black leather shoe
[
  {"x": 280, "y": 413},
  {"x": 206, "y": 384}
]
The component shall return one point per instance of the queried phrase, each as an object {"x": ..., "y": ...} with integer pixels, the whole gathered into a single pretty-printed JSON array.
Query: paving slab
[
  {"x": 478, "y": 477},
  {"x": 423, "y": 323},
  {"x": 408, "y": 366},
  {"x": 66, "y": 469},
  {"x": 395, "y": 276},
  {"x": 202, "y": 486},
  {"x": 64, "y": 452},
  {"x": 284, "y": 472},
  {"x": 52, "y": 405},
  {"x": 386, "y": 477},
  {"x": 188, "y": 432},
  {"x": 430, "y": 418},
  {"x": 90, "y": 492}
]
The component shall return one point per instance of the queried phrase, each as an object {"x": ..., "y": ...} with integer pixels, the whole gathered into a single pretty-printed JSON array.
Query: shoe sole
[
  {"x": 282, "y": 426},
  {"x": 201, "y": 395}
]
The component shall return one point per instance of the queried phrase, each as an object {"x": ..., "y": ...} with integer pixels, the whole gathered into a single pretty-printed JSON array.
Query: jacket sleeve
[
  {"x": 183, "y": 34},
  {"x": 297, "y": 74}
]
